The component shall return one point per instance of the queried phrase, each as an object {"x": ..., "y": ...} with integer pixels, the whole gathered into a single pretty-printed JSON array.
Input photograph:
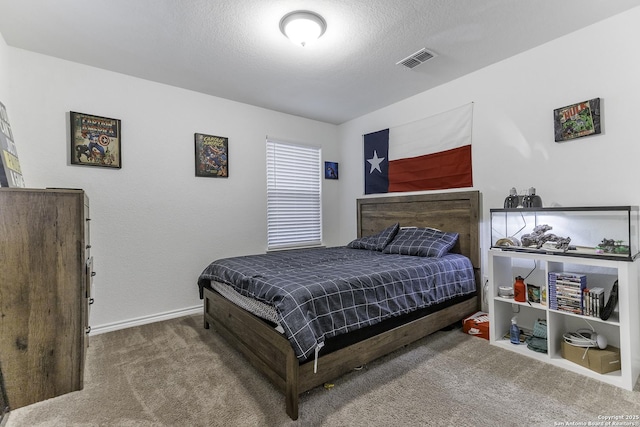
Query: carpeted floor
[{"x": 175, "y": 373}]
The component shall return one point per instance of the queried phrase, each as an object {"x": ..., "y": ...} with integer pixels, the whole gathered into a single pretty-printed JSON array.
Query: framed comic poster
[
  {"x": 95, "y": 141},
  {"x": 212, "y": 156},
  {"x": 330, "y": 170},
  {"x": 577, "y": 120}
]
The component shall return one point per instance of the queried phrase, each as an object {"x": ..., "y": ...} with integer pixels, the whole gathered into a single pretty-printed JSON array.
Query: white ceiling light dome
[{"x": 303, "y": 27}]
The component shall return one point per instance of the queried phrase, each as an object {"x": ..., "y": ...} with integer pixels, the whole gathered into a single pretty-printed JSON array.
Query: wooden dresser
[{"x": 45, "y": 284}]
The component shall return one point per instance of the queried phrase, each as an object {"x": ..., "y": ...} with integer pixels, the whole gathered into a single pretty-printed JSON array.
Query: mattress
[
  {"x": 253, "y": 306},
  {"x": 321, "y": 293}
]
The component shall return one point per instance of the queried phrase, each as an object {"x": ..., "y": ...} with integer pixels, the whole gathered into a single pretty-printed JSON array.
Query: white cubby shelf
[{"x": 622, "y": 328}]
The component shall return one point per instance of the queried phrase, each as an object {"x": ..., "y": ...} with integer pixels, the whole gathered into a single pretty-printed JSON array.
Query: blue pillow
[
  {"x": 377, "y": 242},
  {"x": 425, "y": 242}
]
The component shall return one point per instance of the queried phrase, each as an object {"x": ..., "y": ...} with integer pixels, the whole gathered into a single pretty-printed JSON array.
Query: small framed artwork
[
  {"x": 95, "y": 140},
  {"x": 212, "y": 156},
  {"x": 330, "y": 170},
  {"x": 577, "y": 120}
]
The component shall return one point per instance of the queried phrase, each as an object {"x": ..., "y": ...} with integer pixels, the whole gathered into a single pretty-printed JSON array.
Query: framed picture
[
  {"x": 95, "y": 141},
  {"x": 10, "y": 172},
  {"x": 577, "y": 120},
  {"x": 330, "y": 170},
  {"x": 212, "y": 156}
]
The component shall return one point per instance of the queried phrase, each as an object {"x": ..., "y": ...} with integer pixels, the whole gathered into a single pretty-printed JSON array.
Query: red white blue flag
[{"x": 429, "y": 154}]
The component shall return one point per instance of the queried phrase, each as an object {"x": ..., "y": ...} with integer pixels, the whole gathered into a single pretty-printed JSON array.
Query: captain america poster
[{"x": 95, "y": 140}]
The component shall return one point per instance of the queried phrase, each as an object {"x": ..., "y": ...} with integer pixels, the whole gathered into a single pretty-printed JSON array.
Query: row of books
[
  {"x": 568, "y": 292},
  {"x": 593, "y": 301}
]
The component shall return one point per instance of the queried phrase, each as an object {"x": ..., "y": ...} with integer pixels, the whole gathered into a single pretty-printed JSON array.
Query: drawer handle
[
  {"x": 87, "y": 330},
  {"x": 88, "y": 246},
  {"x": 93, "y": 273},
  {"x": 91, "y": 301},
  {"x": 88, "y": 219}
]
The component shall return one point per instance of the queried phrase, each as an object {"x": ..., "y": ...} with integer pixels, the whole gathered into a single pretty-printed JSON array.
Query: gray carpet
[{"x": 175, "y": 373}]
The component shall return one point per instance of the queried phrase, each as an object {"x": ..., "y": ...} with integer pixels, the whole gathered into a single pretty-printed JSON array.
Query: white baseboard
[{"x": 109, "y": 327}]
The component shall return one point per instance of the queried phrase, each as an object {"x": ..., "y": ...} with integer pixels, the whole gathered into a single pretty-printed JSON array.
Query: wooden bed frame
[{"x": 271, "y": 353}]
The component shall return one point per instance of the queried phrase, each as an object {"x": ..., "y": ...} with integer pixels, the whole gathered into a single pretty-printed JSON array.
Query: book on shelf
[
  {"x": 593, "y": 301},
  {"x": 566, "y": 291}
]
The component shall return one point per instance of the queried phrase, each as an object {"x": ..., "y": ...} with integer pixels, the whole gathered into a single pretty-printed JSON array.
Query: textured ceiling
[{"x": 234, "y": 49}]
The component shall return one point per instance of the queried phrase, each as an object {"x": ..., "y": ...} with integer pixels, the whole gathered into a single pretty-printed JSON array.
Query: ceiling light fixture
[{"x": 302, "y": 26}]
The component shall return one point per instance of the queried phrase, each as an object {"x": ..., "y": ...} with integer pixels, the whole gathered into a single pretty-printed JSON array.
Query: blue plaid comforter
[{"x": 320, "y": 293}]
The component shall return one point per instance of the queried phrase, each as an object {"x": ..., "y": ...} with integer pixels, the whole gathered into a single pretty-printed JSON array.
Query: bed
[{"x": 309, "y": 358}]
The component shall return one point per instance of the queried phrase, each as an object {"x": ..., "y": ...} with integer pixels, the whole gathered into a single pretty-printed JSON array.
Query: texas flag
[{"x": 429, "y": 154}]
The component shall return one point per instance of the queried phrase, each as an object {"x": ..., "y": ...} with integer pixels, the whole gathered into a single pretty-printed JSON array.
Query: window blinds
[{"x": 294, "y": 213}]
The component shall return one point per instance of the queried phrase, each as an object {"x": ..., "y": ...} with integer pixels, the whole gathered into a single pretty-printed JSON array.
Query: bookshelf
[{"x": 622, "y": 328}]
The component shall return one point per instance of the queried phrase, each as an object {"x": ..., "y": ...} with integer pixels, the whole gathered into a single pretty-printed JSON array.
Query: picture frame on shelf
[
  {"x": 95, "y": 140},
  {"x": 577, "y": 120},
  {"x": 211, "y": 155}
]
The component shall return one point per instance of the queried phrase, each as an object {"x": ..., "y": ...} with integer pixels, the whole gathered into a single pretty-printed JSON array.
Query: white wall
[
  {"x": 513, "y": 138},
  {"x": 4, "y": 75},
  {"x": 155, "y": 226}
]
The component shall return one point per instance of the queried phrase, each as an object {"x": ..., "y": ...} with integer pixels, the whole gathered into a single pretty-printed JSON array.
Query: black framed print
[
  {"x": 95, "y": 140},
  {"x": 212, "y": 156},
  {"x": 577, "y": 120},
  {"x": 330, "y": 170}
]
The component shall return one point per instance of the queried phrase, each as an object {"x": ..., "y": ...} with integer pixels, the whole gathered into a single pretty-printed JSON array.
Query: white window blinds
[{"x": 294, "y": 213}]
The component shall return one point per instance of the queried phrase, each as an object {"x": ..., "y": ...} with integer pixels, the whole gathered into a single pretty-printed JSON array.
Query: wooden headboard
[{"x": 456, "y": 212}]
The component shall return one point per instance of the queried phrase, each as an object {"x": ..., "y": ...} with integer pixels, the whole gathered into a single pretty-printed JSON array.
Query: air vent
[{"x": 416, "y": 59}]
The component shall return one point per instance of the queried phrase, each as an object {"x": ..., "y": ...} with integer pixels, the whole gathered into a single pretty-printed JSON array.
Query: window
[{"x": 294, "y": 213}]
